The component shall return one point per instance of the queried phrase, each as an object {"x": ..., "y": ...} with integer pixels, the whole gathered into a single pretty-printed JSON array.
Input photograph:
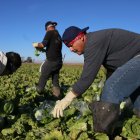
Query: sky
[{"x": 22, "y": 21}]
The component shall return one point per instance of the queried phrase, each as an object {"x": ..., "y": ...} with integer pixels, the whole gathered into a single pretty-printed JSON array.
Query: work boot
[
  {"x": 136, "y": 112},
  {"x": 56, "y": 91},
  {"x": 104, "y": 116}
]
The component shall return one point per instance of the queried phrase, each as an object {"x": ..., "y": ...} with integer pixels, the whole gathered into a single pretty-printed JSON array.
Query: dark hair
[{"x": 14, "y": 61}]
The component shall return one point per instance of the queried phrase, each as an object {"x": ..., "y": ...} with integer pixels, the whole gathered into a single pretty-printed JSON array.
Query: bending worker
[{"x": 118, "y": 51}]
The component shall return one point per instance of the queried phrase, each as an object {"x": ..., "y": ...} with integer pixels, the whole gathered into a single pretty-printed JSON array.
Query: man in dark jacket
[
  {"x": 118, "y": 51},
  {"x": 9, "y": 62},
  {"x": 53, "y": 45}
]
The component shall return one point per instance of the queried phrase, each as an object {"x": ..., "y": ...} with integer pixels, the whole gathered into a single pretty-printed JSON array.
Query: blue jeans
[{"x": 123, "y": 83}]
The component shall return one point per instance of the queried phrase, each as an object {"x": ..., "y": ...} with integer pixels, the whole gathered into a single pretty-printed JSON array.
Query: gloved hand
[
  {"x": 38, "y": 46},
  {"x": 35, "y": 44},
  {"x": 63, "y": 104}
]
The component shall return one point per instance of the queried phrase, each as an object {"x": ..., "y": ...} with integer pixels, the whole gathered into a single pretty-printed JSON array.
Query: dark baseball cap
[
  {"x": 71, "y": 33},
  {"x": 50, "y": 23}
]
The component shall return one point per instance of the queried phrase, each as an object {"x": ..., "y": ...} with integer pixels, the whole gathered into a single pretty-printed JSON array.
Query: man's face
[
  {"x": 50, "y": 28},
  {"x": 78, "y": 45}
]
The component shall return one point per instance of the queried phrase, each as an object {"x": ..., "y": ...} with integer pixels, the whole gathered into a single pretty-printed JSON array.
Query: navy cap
[
  {"x": 71, "y": 33},
  {"x": 50, "y": 23}
]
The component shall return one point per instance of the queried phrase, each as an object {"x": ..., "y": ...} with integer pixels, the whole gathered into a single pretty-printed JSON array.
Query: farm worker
[
  {"x": 9, "y": 62},
  {"x": 117, "y": 50},
  {"x": 51, "y": 67}
]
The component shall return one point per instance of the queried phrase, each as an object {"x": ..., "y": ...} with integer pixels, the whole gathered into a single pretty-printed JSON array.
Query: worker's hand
[
  {"x": 62, "y": 104},
  {"x": 35, "y": 44}
]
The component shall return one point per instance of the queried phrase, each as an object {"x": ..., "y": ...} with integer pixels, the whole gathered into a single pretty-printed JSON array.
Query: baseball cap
[
  {"x": 3, "y": 62},
  {"x": 49, "y": 24},
  {"x": 71, "y": 33}
]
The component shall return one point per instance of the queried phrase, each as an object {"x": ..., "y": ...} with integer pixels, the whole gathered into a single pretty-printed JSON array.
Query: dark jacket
[
  {"x": 53, "y": 43},
  {"x": 111, "y": 48}
]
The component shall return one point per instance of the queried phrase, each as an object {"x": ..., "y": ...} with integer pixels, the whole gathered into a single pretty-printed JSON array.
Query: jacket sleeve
[
  {"x": 93, "y": 59},
  {"x": 46, "y": 39}
]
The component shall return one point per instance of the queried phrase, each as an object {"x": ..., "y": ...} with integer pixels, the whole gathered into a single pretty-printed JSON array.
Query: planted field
[{"x": 25, "y": 115}]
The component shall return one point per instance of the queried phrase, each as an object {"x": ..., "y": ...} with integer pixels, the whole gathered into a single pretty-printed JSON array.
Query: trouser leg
[
  {"x": 55, "y": 81},
  {"x": 123, "y": 82},
  {"x": 55, "y": 78},
  {"x": 45, "y": 74}
]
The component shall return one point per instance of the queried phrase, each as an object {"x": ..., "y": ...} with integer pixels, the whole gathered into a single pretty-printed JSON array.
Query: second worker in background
[{"x": 52, "y": 45}]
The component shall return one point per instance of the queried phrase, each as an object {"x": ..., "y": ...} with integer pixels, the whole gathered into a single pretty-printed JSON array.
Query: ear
[{"x": 83, "y": 38}]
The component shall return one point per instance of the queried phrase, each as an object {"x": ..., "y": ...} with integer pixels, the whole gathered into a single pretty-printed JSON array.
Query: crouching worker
[
  {"x": 117, "y": 50},
  {"x": 9, "y": 62}
]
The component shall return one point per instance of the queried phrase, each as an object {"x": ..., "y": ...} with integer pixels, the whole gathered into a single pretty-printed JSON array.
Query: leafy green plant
[{"x": 23, "y": 117}]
